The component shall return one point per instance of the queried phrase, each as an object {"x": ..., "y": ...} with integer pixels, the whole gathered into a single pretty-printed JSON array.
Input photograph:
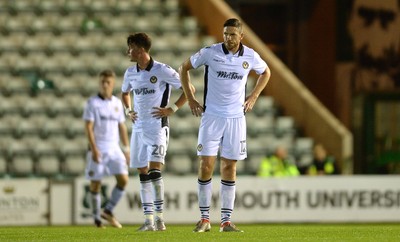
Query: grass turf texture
[{"x": 183, "y": 233}]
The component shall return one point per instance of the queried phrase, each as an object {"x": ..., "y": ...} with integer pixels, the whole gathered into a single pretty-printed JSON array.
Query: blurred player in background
[
  {"x": 150, "y": 83},
  {"x": 105, "y": 128},
  {"x": 223, "y": 125}
]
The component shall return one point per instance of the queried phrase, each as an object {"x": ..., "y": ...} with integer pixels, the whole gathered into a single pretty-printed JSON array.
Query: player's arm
[
  {"x": 126, "y": 102},
  {"x": 261, "y": 83},
  {"x": 171, "y": 109},
  {"x": 92, "y": 142},
  {"x": 185, "y": 79},
  {"x": 182, "y": 98},
  {"x": 123, "y": 134},
  {"x": 188, "y": 88}
]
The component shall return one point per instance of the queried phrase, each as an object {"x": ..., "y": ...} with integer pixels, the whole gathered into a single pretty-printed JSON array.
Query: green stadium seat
[
  {"x": 22, "y": 165},
  {"x": 74, "y": 165},
  {"x": 257, "y": 125},
  {"x": 48, "y": 165},
  {"x": 180, "y": 164},
  {"x": 285, "y": 127}
]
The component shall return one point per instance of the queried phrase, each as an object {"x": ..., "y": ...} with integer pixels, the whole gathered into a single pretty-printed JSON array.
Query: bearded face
[{"x": 375, "y": 29}]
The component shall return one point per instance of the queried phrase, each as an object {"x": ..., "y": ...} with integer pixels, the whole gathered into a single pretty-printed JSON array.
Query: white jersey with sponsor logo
[
  {"x": 151, "y": 88},
  {"x": 106, "y": 115},
  {"x": 226, "y": 77}
]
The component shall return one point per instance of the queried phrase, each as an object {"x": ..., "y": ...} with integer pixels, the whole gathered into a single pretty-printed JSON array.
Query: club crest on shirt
[
  {"x": 116, "y": 109},
  {"x": 245, "y": 64},
  {"x": 200, "y": 147},
  {"x": 153, "y": 79}
]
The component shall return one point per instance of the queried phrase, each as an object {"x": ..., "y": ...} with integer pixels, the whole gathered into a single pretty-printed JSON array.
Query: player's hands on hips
[
  {"x": 195, "y": 107},
  {"x": 132, "y": 115},
  {"x": 162, "y": 112},
  {"x": 249, "y": 103}
]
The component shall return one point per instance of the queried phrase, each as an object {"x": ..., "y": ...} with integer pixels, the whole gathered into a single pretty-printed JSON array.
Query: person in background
[
  {"x": 223, "y": 124},
  {"x": 150, "y": 83},
  {"x": 278, "y": 165},
  {"x": 322, "y": 164},
  {"x": 105, "y": 127}
]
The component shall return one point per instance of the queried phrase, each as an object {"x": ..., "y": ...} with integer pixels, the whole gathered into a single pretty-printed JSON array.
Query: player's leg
[
  {"x": 158, "y": 152},
  {"x": 205, "y": 185},
  {"x": 117, "y": 192},
  {"x": 146, "y": 196},
  {"x": 116, "y": 164},
  {"x": 227, "y": 194},
  {"x": 158, "y": 194},
  {"x": 233, "y": 148},
  {"x": 210, "y": 134},
  {"x": 95, "y": 202},
  {"x": 139, "y": 160},
  {"x": 94, "y": 172},
  {"x": 204, "y": 191},
  {"x": 116, "y": 195}
]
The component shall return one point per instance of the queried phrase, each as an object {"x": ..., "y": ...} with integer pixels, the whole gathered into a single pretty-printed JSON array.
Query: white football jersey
[
  {"x": 106, "y": 115},
  {"x": 151, "y": 88},
  {"x": 225, "y": 77}
]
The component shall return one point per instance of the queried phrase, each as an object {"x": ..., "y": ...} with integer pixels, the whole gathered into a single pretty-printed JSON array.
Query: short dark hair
[
  {"x": 141, "y": 40},
  {"x": 107, "y": 73},
  {"x": 233, "y": 22}
]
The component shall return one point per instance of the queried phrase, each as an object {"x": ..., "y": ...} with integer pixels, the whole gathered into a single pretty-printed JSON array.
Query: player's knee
[
  {"x": 95, "y": 187},
  {"x": 144, "y": 177},
  {"x": 121, "y": 184},
  {"x": 228, "y": 165},
  {"x": 122, "y": 181},
  {"x": 206, "y": 168},
  {"x": 228, "y": 172},
  {"x": 154, "y": 174}
]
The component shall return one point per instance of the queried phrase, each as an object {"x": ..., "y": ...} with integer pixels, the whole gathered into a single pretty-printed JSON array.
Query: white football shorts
[
  {"x": 112, "y": 162},
  {"x": 148, "y": 146},
  {"x": 225, "y": 134}
]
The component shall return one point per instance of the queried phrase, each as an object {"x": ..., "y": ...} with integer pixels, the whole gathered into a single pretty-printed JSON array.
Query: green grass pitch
[{"x": 183, "y": 233}]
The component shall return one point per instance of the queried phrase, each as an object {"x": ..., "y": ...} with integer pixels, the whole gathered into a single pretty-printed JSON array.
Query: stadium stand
[
  {"x": 22, "y": 165},
  {"x": 303, "y": 149},
  {"x": 180, "y": 164},
  {"x": 73, "y": 165},
  {"x": 48, "y": 166},
  {"x": 51, "y": 52}
]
